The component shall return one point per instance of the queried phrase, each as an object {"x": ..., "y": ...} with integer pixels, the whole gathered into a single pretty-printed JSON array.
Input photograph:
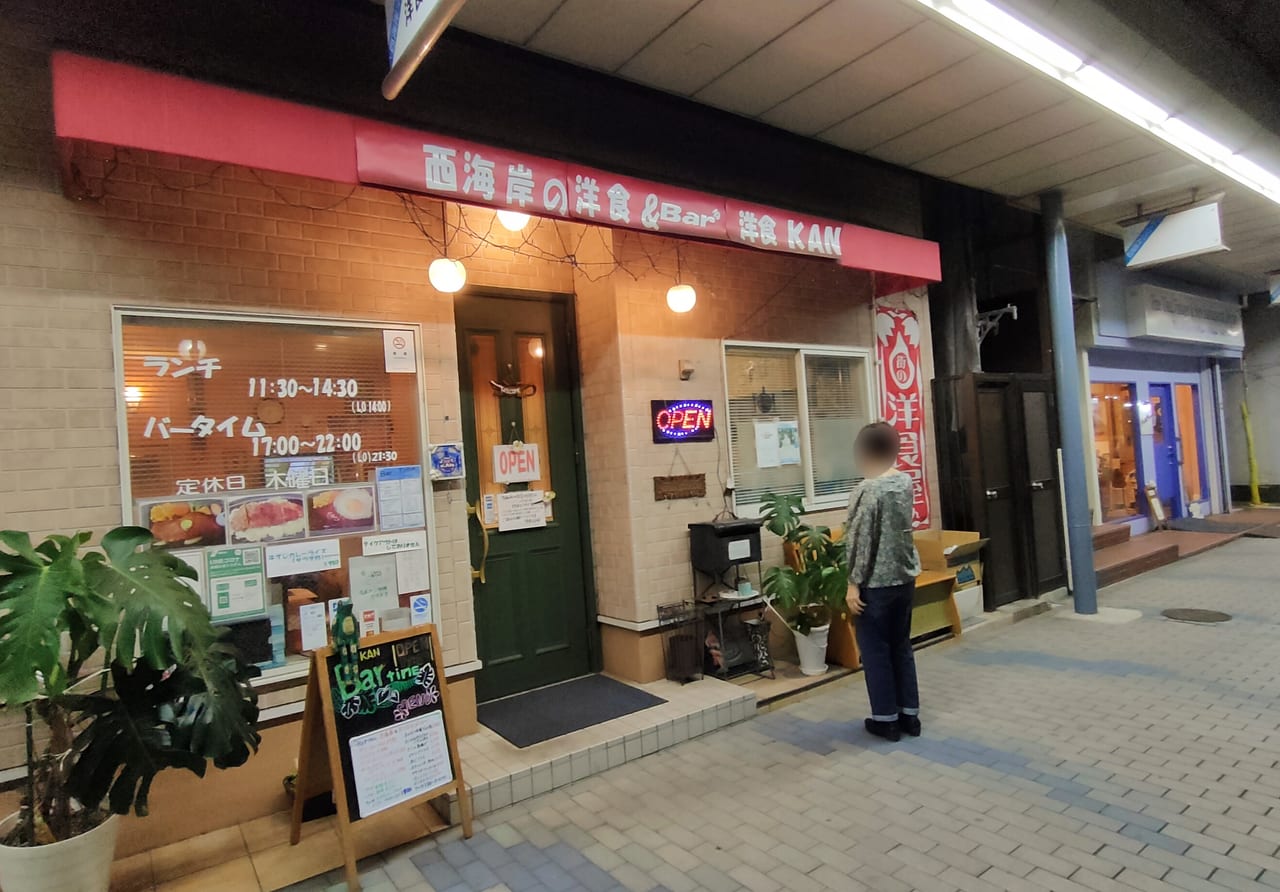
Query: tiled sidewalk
[{"x": 1059, "y": 754}]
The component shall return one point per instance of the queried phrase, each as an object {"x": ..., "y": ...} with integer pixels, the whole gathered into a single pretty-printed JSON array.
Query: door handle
[
  {"x": 1037, "y": 484},
  {"x": 992, "y": 495},
  {"x": 478, "y": 575}
]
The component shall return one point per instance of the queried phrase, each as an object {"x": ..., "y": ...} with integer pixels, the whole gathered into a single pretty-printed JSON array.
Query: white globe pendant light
[
  {"x": 681, "y": 298},
  {"x": 447, "y": 276},
  {"x": 513, "y": 221}
]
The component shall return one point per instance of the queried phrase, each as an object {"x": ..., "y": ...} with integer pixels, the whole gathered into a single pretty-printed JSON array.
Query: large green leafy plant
[
  {"x": 809, "y": 591},
  {"x": 120, "y": 661}
]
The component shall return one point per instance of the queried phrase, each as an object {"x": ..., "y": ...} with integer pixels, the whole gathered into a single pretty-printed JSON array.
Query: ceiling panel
[
  {"x": 710, "y": 39},
  {"x": 890, "y": 79},
  {"x": 511, "y": 21},
  {"x": 829, "y": 39},
  {"x": 1085, "y": 162},
  {"x": 1054, "y": 150},
  {"x": 603, "y": 34},
  {"x": 1032, "y": 130},
  {"x": 1008, "y": 104},
  {"x": 909, "y": 58},
  {"x": 957, "y": 85}
]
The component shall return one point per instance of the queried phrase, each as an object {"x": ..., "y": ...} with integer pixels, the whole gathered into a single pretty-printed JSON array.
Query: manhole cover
[{"x": 1196, "y": 615}]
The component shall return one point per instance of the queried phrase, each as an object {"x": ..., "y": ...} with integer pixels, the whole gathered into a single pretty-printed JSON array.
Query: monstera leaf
[
  {"x": 219, "y": 720},
  {"x": 37, "y": 585},
  {"x": 152, "y": 607},
  {"x": 161, "y": 718}
]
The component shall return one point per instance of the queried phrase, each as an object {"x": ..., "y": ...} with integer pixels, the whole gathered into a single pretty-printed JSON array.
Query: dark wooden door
[
  {"x": 533, "y": 606},
  {"x": 996, "y": 490},
  {"x": 1039, "y": 426},
  {"x": 998, "y": 440}
]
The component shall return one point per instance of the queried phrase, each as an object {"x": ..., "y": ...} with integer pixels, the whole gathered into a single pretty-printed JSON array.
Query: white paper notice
[
  {"x": 395, "y": 764},
  {"x": 411, "y": 572},
  {"x": 789, "y": 442},
  {"x": 400, "y": 497},
  {"x": 386, "y": 543},
  {"x": 373, "y": 583},
  {"x": 410, "y": 550},
  {"x": 199, "y": 585},
  {"x": 767, "y": 445},
  {"x": 309, "y": 556},
  {"x": 521, "y": 510},
  {"x": 739, "y": 549},
  {"x": 398, "y": 351},
  {"x": 315, "y": 631}
]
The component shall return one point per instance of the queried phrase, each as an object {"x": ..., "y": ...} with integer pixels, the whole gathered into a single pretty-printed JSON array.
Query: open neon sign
[{"x": 682, "y": 421}]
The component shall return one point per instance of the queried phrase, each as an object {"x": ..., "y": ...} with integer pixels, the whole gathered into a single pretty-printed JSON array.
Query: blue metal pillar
[{"x": 1067, "y": 375}]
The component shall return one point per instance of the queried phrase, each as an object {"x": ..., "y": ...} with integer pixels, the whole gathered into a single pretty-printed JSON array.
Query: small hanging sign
[
  {"x": 517, "y": 463},
  {"x": 683, "y": 486}
]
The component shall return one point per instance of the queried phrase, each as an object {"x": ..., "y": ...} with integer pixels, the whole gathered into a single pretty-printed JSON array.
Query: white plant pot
[
  {"x": 82, "y": 863},
  {"x": 812, "y": 649}
]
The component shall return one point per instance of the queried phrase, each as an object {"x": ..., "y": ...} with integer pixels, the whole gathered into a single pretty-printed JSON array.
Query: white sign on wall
[
  {"x": 1156, "y": 312},
  {"x": 517, "y": 464}
]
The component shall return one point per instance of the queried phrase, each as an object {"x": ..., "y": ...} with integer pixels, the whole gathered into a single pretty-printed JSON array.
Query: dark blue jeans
[{"x": 888, "y": 663}]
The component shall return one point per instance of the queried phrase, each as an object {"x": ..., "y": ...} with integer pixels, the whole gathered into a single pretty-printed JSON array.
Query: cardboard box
[{"x": 954, "y": 551}]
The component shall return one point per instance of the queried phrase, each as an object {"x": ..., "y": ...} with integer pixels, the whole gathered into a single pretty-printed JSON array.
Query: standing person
[{"x": 883, "y": 566}]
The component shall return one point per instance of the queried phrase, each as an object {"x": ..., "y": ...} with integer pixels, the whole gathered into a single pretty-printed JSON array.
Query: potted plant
[
  {"x": 809, "y": 592},
  {"x": 118, "y": 661}
]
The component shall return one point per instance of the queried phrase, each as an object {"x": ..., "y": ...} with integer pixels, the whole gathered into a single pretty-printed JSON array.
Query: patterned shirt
[{"x": 880, "y": 548}]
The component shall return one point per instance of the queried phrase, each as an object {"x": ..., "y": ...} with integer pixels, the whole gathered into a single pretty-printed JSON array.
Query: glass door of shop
[
  {"x": 1189, "y": 440},
  {"x": 1116, "y": 449},
  {"x": 533, "y": 607},
  {"x": 1164, "y": 440}
]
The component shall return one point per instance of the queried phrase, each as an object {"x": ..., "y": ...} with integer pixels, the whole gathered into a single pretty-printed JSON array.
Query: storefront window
[
  {"x": 282, "y": 460},
  {"x": 1115, "y": 448},
  {"x": 793, "y": 414}
]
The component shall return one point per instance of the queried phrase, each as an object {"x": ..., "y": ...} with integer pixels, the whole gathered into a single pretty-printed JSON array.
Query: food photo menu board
[{"x": 270, "y": 445}]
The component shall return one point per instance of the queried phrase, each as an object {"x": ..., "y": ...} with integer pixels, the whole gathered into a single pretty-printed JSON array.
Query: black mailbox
[{"x": 716, "y": 546}]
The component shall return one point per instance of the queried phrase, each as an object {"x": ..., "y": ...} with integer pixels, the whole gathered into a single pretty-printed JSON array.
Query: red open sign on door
[{"x": 516, "y": 464}]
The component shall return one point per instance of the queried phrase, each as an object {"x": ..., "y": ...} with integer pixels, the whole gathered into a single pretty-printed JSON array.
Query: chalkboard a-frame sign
[{"x": 375, "y": 733}]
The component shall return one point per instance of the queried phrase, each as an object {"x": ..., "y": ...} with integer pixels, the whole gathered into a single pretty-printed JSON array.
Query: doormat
[{"x": 526, "y": 719}]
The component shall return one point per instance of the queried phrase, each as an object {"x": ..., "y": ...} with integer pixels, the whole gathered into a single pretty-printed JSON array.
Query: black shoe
[
  {"x": 909, "y": 725},
  {"x": 887, "y": 730}
]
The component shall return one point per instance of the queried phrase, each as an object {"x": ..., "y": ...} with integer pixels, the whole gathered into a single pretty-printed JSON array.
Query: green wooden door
[{"x": 533, "y": 608}]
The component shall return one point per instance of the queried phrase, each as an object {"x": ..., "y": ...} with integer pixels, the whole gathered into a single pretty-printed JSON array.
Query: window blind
[{"x": 837, "y": 397}]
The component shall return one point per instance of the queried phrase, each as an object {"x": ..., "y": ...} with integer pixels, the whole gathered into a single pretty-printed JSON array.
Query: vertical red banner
[{"x": 902, "y": 397}]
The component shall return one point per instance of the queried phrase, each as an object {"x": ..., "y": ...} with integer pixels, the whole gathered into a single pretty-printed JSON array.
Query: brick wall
[{"x": 633, "y": 343}]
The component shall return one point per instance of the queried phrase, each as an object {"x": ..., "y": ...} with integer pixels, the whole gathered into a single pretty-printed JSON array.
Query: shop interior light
[
  {"x": 681, "y": 298},
  {"x": 1043, "y": 52},
  {"x": 133, "y": 395},
  {"x": 513, "y": 221},
  {"x": 447, "y": 276}
]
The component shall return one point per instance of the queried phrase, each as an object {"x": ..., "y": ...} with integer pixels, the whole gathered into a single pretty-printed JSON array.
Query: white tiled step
[{"x": 500, "y": 774}]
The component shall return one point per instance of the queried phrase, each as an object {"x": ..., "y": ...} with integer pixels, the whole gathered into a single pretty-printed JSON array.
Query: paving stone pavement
[{"x": 1058, "y": 754}]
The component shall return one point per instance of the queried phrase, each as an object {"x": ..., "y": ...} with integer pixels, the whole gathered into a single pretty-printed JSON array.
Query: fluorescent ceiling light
[
  {"x": 1105, "y": 90},
  {"x": 1190, "y": 137},
  {"x": 996, "y": 26},
  {"x": 1255, "y": 173},
  {"x": 1018, "y": 39}
]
